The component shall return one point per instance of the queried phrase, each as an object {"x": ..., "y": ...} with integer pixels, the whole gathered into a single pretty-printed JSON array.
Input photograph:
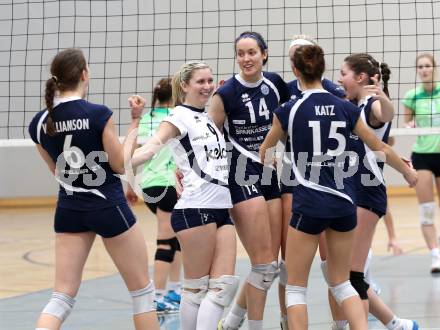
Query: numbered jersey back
[
  {"x": 85, "y": 177},
  {"x": 319, "y": 125},
  {"x": 249, "y": 108}
]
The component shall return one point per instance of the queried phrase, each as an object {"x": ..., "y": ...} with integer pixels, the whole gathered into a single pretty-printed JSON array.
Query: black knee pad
[
  {"x": 176, "y": 244},
  {"x": 166, "y": 255},
  {"x": 357, "y": 280}
]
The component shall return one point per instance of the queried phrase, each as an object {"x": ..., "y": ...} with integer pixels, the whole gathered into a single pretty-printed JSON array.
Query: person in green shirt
[
  {"x": 159, "y": 194},
  {"x": 422, "y": 109}
]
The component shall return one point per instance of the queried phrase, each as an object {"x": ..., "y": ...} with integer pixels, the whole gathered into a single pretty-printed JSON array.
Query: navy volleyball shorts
[
  {"x": 189, "y": 218},
  {"x": 163, "y": 198},
  {"x": 315, "y": 226},
  {"x": 108, "y": 222}
]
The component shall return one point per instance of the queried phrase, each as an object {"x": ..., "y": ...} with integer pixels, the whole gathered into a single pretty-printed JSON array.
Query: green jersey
[
  {"x": 426, "y": 110},
  {"x": 159, "y": 171}
]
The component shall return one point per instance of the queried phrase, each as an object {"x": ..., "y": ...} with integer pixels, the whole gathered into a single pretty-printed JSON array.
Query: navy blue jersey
[
  {"x": 293, "y": 86},
  {"x": 249, "y": 109},
  {"x": 371, "y": 190},
  {"x": 82, "y": 169},
  {"x": 295, "y": 90},
  {"x": 319, "y": 125}
]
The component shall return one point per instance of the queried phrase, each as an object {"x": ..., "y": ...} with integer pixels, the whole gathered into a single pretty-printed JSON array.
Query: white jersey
[{"x": 200, "y": 153}]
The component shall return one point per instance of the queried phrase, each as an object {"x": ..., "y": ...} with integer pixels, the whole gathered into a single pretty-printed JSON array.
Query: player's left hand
[
  {"x": 394, "y": 247},
  {"x": 376, "y": 89},
  {"x": 137, "y": 104}
]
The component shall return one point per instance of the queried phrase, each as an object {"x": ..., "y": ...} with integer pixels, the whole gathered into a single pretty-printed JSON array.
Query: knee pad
[
  {"x": 166, "y": 255},
  {"x": 427, "y": 213},
  {"x": 325, "y": 271},
  {"x": 343, "y": 291},
  {"x": 60, "y": 305},
  {"x": 200, "y": 284},
  {"x": 143, "y": 299},
  {"x": 263, "y": 275},
  {"x": 283, "y": 273},
  {"x": 357, "y": 280},
  {"x": 295, "y": 295},
  {"x": 226, "y": 287},
  {"x": 176, "y": 244}
]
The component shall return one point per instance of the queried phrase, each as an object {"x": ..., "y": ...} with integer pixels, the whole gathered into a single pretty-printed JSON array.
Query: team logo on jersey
[
  {"x": 245, "y": 97},
  {"x": 197, "y": 119},
  {"x": 293, "y": 97},
  {"x": 354, "y": 136},
  {"x": 264, "y": 89}
]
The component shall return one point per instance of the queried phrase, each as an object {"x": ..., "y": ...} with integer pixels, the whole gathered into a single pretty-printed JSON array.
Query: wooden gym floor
[{"x": 26, "y": 274}]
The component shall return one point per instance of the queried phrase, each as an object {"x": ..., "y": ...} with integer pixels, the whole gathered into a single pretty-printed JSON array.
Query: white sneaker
[
  {"x": 435, "y": 265},
  {"x": 221, "y": 325},
  {"x": 407, "y": 325}
]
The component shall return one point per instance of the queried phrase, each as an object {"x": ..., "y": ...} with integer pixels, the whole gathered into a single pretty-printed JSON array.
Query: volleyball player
[
  {"x": 78, "y": 141},
  {"x": 422, "y": 109},
  {"x": 319, "y": 125},
  {"x": 360, "y": 76},
  {"x": 244, "y": 107},
  {"x": 287, "y": 177},
  {"x": 159, "y": 194},
  {"x": 200, "y": 218}
]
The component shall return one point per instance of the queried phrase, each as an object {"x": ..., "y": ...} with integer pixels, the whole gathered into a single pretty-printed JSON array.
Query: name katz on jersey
[
  {"x": 325, "y": 110},
  {"x": 70, "y": 125},
  {"x": 215, "y": 153}
]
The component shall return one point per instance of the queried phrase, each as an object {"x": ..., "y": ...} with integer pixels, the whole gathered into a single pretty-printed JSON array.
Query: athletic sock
[
  {"x": 235, "y": 316},
  {"x": 209, "y": 314}
]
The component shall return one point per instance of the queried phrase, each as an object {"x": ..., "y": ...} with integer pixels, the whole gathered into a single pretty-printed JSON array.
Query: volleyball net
[{"x": 131, "y": 44}]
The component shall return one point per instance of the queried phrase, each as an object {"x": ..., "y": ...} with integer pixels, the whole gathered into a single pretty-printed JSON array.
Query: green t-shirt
[
  {"x": 159, "y": 171},
  {"x": 426, "y": 110}
]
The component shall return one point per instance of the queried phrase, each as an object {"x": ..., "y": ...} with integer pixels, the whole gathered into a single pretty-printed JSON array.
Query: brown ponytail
[
  {"x": 363, "y": 62},
  {"x": 48, "y": 97},
  {"x": 162, "y": 92},
  {"x": 66, "y": 69}
]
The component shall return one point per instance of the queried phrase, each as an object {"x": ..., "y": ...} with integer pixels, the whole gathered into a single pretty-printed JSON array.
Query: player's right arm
[
  {"x": 217, "y": 111},
  {"x": 117, "y": 152},
  {"x": 276, "y": 133},
  {"x": 50, "y": 163},
  {"x": 164, "y": 133}
]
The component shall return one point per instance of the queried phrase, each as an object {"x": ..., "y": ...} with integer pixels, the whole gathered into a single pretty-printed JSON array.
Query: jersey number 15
[{"x": 333, "y": 134}]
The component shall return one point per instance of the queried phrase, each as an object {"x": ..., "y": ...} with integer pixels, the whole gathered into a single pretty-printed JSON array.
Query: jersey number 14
[{"x": 262, "y": 110}]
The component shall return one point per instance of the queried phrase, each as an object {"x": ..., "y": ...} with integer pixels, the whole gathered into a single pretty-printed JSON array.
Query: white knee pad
[
  {"x": 427, "y": 213},
  {"x": 295, "y": 295},
  {"x": 263, "y": 275},
  {"x": 283, "y": 273},
  {"x": 325, "y": 271},
  {"x": 60, "y": 305},
  {"x": 343, "y": 291},
  {"x": 200, "y": 284},
  {"x": 222, "y": 290},
  {"x": 143, "y": 299}
]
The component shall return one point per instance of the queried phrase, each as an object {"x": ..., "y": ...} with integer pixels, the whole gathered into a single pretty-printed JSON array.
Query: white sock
[
  {"x": 255, "y": 325},
  {"x": 283, "y": 321},
  {"x": 188, "y": 315},
  {"x": 339, "y": 324},
  {"x": 393, "y": 324},
  {"x": 160, "y": 293},
  {"x": 235, "y": 316},
  {"x": 174, "y": 286},
  {"x": 209, "y": 315},
  {"x": 435, "y": 252}
]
